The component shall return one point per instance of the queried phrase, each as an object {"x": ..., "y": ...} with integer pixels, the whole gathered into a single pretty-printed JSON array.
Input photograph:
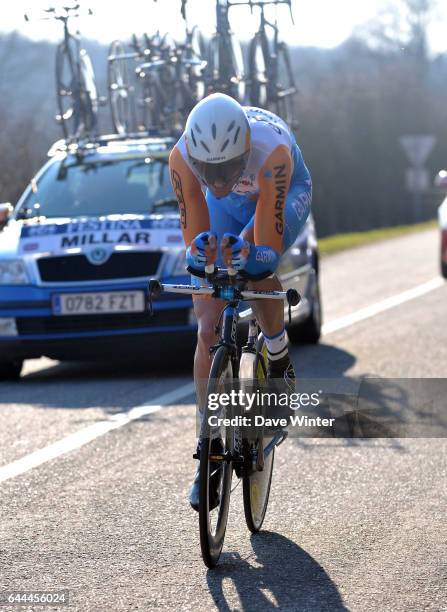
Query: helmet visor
[{"x": 226, "y": 173}]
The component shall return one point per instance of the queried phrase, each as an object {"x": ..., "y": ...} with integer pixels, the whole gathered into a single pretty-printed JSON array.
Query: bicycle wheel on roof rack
[
  {"x": 237, "y": 68},
  {"x": 225, "y": 70},
  {"x": 76, "y": 90},
  {"x": 121, "y": 90},
  {"x": 257, "y": 73},
  {"x": 89, "y": 95},
  {"x": 285, "y": 99},
  {"x": 68, "y": 88},
  {"x": 197, "y": 53}
]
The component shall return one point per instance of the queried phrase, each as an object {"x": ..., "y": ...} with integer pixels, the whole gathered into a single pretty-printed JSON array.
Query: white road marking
[
  {"x": 378, "y": 307},
  {"x": 86, "y": 435}
]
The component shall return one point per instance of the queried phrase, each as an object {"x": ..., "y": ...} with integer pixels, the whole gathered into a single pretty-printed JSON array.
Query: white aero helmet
[{"x": 217, "y": 136}]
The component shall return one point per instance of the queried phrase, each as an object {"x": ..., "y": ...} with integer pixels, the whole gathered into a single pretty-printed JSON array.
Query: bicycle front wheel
[
  {"x": 215, "y": 476},
  {"x": 257, "y": 480}
]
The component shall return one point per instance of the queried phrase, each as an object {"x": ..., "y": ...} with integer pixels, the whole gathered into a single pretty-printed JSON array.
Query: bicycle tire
[
  {"x": 237, "y": 76},
  {"x": 222, "y": 73},
  {"x": 67, "y": 88},
  {"x": 89, "y": 94},
  {"x": 257, "y": 73},
  {"x": 211, "y": 543},
  {"x": 121, "y": 92},
  {"x": 195, "y": 75},
  {"x": 256, "y": 484},
  {"x": 152, "y": 105}
]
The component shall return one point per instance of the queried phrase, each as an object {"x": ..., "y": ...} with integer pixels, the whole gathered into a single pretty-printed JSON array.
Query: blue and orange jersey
[{"x": 274, "y": 164}]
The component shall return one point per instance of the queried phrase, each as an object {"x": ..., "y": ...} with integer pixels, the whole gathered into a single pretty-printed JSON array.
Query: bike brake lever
[
  {"x": 155, "y": 289},
  {"x": 293, "y": 299}
]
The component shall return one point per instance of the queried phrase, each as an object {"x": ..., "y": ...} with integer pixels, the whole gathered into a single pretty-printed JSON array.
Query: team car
[{"x": 77, "y": 250}]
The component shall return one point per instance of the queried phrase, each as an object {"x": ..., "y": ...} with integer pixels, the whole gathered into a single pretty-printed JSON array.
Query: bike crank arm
[{"x": 277, "y": 440}]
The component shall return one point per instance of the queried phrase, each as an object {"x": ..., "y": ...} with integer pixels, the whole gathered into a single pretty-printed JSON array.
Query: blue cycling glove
[
  {"x": 256, "y": 261},
  {"x": 202, "y": 251}
]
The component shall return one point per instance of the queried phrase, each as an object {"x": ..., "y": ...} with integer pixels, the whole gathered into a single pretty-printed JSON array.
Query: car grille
[
  {"x": 73, "y": 268},
  {"x": 86, "y": 323}
]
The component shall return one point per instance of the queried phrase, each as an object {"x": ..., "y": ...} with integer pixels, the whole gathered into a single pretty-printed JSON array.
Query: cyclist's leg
[
  {"x": 226, "y": 215},
  {"x": 207, "y": 311}
]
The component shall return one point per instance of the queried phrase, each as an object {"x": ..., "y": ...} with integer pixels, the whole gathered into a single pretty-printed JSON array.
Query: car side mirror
[
  {"x": 6, "y": 209},
  {"x": 441, "y": 180}
]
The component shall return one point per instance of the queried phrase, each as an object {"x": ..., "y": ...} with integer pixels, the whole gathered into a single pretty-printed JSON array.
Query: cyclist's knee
[
  {"x": 207, "y": 315},
  {"x": 206, "y": 337}
]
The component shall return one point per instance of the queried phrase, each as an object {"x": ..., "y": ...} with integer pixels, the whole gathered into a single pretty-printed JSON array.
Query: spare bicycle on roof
[{"x": 76, "y": 91}]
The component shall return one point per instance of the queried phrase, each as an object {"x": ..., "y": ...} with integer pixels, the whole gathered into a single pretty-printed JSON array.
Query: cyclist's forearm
[{"x": 262, "y": 261}]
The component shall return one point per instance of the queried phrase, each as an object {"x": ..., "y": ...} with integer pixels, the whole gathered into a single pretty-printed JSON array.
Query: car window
[{"x": 72, "y": 189}]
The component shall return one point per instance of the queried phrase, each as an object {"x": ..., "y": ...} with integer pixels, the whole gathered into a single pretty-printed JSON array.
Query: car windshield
[{"x": 104, "y": 187}]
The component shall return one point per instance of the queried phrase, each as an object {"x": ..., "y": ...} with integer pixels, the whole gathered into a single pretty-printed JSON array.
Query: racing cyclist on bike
[{"x": 244, "y": 194}]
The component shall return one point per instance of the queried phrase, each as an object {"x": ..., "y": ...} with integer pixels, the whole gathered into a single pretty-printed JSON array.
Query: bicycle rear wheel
[
  {"x": 213, "y": 522},
  {"x": 256, "y": 483}
]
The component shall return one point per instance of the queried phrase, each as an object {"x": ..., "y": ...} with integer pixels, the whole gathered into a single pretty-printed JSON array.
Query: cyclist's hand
[
  {"x": 235, "y": 251},
  {"x": 202, "y": 251}
]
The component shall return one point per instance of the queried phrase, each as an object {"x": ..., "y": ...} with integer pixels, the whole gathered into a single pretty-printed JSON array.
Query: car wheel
[
  {"x": 10, "y": 370},
  {"x": 309, "y": 331}
]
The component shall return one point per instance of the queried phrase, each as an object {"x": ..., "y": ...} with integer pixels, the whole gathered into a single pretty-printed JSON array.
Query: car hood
[{"x": 112, "y": 233}]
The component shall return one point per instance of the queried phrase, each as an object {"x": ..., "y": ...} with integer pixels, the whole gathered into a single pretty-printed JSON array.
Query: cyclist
[{"x": 244, "y": 194}]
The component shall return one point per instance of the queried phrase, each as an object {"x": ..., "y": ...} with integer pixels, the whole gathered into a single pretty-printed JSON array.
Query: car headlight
[{"x": 13, "y": 272}]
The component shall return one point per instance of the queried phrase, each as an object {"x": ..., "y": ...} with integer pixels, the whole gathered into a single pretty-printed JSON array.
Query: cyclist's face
[{"x": 221, "y": 178}]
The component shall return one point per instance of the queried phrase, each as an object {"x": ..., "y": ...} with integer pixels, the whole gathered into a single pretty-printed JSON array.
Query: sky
[{"x": 321, "y": 23}]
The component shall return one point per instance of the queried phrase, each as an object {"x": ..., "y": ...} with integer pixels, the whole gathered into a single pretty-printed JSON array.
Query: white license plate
[{"x": 98, "y": 303}]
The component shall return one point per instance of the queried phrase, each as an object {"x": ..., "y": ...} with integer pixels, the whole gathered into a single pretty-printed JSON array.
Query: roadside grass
[{"x": 341, "y": 242}]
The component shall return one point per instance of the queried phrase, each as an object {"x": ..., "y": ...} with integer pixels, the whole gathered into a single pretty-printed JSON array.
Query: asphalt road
[{"x": 352, "y": 524}]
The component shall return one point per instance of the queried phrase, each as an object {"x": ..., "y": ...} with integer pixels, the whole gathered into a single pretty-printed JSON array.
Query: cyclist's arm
[
  {"x": 194, "y": 216},
  {"x": 274, "y": 182}
]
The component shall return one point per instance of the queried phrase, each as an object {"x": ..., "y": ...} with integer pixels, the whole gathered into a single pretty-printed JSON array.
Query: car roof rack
[{"x": 87, "y": 145}]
